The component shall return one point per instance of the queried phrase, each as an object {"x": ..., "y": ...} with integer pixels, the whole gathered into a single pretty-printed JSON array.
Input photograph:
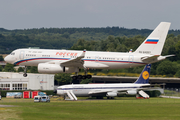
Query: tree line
[{"x": 63, "y": 38}]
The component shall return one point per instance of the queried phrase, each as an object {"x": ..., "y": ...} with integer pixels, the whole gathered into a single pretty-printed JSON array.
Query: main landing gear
[
  {"x": 81, "y": 76},
  {"x": 25, "y": 71}
]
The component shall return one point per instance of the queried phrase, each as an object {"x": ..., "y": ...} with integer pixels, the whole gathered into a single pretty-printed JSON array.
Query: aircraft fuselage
[{"x": 92, "y": 59}]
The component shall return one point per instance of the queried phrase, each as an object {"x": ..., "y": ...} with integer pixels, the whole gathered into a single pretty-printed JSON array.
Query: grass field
[{"x": 123, "y": 108}]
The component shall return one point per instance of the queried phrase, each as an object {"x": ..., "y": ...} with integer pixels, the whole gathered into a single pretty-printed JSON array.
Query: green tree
[
  {"x": 63, "y": 78},
  {"x": 33, "y": 69},
  {"x": 167, "y": 68},
  {"x": 9, "y": 68},
  {"x": 1, "y": 58},
  {"x": 86, "y": 81},
  {"x": 20, "y": 69},
  {"x": 177, "y": 74},
  {"x": 177, "y": 47},
  {"x": 1, "y": 68}
]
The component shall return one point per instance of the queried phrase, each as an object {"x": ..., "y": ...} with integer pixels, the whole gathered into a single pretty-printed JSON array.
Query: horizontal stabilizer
[
  {"x": 169, "y": 56},
  {"x": 148, "y": 58}
]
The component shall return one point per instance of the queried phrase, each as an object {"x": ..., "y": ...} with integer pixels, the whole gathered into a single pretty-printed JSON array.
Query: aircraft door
[
  {"x": 21, "y": 55},
  {"x": 131, "y": 58},
  {"x": 96, "y": 58}
]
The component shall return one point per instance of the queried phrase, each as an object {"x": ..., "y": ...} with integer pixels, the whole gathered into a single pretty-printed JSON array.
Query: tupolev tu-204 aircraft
[{"x": 69, "y": 61}]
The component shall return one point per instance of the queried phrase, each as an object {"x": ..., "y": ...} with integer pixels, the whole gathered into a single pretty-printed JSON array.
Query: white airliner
[
  {"x": 69, "y": 61},
  {"x": 109, "y": 90}
]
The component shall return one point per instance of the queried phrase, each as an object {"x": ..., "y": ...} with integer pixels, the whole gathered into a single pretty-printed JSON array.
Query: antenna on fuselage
[{"x": 130, "y": 51}]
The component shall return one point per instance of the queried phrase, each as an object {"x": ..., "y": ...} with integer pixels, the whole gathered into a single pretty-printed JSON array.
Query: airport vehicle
[
  {"x": 109, "y": 90},
  {"x": 40, "y": 98},
  {"x": 45, "y": 98},
  {"x": 69, "y": 61},
  {"x": 37, "y": 98}
]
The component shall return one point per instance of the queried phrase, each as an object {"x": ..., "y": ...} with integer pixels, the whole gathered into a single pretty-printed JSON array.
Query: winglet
[{"x": 144, "y": 77}]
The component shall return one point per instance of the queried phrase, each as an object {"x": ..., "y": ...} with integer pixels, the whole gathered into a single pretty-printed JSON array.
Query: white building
[{"x": 16, "y": 81}]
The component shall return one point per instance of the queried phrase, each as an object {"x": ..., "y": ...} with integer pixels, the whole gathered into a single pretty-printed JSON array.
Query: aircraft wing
[
  {"x": 96, "y": 92},
  {"x": 76, "y": 62}
]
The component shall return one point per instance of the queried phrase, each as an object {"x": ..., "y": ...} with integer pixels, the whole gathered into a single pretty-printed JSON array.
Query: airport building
[{"x": 16, "y": 81}]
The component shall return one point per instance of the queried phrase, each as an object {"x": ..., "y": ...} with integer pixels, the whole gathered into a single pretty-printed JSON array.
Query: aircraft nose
[
  {"x": 6, "y": 58},
  {"x": 9, "y": 59}
]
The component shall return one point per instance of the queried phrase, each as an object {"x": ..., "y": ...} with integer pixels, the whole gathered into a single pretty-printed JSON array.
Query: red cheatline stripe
[{"x": 150, "y": 42}]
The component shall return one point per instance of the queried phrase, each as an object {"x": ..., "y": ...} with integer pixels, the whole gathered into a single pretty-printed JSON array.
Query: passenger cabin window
[
  {"x": 13, "y": 53},
  {"x": 30, "y": 55}
]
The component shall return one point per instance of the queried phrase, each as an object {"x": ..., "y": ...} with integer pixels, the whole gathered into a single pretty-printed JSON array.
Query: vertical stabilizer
[
  {"x": 144, "y": 77},
  {"x": 155, "y": 41}
]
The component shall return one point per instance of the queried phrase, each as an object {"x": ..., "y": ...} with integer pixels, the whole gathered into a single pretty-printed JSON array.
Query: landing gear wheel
[
  {"x": 89, "y": 76},
  {"x": 79, "y": 77},
  {"x": 74, "y": 77},
  {"x": 25, "y": 74},
  {"x": 110, "y": 97},
  {"x": 84, "y": 77},
  {"x": 99, "y": 97}
]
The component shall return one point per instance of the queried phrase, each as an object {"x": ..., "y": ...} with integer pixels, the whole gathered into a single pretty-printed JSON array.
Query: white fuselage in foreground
[
  {"x": 92, "y": 59},
  {"x": 84, "y": 90}
]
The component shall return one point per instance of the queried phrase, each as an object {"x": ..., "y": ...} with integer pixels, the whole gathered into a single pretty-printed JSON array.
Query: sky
[{"x": 140, "y": 14}]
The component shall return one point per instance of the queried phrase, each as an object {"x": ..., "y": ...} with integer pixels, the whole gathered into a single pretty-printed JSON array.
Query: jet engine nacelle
[
  {"x": 54, "y": 68},
  {"x": 131, "y": 92},
  {"x": 111, "y": 94}
]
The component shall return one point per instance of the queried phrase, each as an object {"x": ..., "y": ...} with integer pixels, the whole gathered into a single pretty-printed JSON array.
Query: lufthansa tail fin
[
  {"x": 155, "y": 41},
  {"x": 144, "y": 77}
]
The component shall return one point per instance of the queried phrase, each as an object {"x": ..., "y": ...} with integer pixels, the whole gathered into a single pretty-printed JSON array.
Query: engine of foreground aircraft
[{"x": 54, "y": 68}]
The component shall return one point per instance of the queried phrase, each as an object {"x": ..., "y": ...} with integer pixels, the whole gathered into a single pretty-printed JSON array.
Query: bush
[
  {"x": 167, "y": 68},
  {"x": 154, "y": 93},
  {"x": 177, "y": 74},
  {"x": 86, "y": 81}
]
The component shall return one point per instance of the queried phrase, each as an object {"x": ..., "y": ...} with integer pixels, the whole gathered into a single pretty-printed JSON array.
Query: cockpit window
[{"x": 12, "y": 53}]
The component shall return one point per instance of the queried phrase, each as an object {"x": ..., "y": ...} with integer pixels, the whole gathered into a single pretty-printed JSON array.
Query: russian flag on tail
[{"x": 151, "y": 41}]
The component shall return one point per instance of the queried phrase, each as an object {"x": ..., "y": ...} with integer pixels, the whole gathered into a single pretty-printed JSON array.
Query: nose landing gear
[
  {"x": 25, "y": 74},
  {"x": 25, "y": 71}
]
